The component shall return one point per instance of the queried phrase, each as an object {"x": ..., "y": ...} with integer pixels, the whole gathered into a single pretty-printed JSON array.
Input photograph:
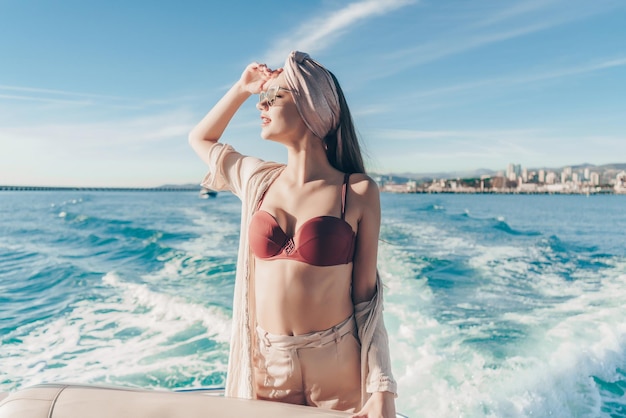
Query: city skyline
[
  {"x": 582, "y": 179},
  {"x": 503, "y": 170},
  {"x": 104, "y": 94}
]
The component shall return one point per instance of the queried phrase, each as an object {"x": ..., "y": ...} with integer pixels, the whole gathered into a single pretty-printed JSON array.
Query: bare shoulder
[
  {"x": 364, "y": 192},
  {"x": 363, "y": 185}
]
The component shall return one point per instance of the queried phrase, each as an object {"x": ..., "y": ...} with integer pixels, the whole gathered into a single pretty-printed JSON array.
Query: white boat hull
[{"x": 82, "y": 401}]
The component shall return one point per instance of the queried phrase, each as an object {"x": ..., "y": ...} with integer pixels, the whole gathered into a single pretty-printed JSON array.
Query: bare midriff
[{"x": 295, "y": 298}]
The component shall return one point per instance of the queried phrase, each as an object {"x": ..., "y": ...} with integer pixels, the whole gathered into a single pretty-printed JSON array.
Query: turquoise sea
[{"x": 496, "y": 305}]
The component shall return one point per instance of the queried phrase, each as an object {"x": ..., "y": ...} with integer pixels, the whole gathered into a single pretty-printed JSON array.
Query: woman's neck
[{"x": 308, "y": 162}]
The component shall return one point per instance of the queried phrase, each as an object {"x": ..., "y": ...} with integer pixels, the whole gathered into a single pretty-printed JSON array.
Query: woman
[{"x": 307, "y": 313}]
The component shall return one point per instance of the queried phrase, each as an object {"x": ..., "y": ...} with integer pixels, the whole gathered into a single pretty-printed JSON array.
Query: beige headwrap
[{"x": 313, "y": 91}]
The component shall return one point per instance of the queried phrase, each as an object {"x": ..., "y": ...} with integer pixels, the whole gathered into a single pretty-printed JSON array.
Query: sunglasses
[{"x": 269, "y": 96}]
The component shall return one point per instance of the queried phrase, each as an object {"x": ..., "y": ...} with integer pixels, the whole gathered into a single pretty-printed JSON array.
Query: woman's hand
[
  {"x": 212, "y": 126},
  {"x": 255, "y": 76},
  {"x": 379, "y": 405}
]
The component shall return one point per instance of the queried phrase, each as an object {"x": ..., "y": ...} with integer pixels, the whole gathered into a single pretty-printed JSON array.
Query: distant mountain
[
  {"x": 582, "y": 166},
  {"x": 618, "y": 166}
]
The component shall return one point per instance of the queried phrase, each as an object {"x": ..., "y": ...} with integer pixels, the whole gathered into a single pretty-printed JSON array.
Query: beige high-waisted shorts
[{"x": 320, "y": 369}]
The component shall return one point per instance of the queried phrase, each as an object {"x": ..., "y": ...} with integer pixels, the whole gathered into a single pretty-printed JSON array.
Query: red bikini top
[{"x": 320, "y": 241}]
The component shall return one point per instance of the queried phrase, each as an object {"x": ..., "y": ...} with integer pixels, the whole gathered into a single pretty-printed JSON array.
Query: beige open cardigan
[{"x": 248, "y": 178}]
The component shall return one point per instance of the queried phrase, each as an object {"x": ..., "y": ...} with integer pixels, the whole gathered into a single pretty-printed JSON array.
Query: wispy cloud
[
  {"x": 464, "y": 147},
  {"x": 64, "y": 97},
  {"x": 34, "y": 94},
  {"x": 515, "y": 142},
  {"x": 500, "y": 25},
  {"x": 58, "y": 92},
  {"x": 145, "y": 150},
  {"x": 319, "y": 32},
  {"x": 581, "y": 69},
  {"x": 419, "y": 135},
  {"x": 449, "y": 150},
  {"x": 44, "y": 99},
  {"x": 462, "y": 42},
  {"x": 521, "y": 79},
  {"x": 516, "y": 10},
  {"x": 452, "y": 95},
  {"x": 98, "y": 135}
]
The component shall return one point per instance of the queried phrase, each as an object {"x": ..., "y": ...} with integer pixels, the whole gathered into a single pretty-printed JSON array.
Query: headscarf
[{"x": 314, "y": 92}]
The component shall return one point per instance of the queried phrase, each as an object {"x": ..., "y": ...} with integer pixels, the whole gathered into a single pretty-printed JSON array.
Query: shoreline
[{"x": 508, "y": 192}]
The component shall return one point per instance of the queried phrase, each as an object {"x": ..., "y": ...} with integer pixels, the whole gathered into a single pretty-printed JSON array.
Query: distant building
[
  {"x": 498, "y": 182},
  {"x": 568, "y": 171},
  {"x": 513, "y": 171},
  {"x": 528, "y": 187},
  {"x": 620, "y": 182},
  {"x": 551, "y": 177}
]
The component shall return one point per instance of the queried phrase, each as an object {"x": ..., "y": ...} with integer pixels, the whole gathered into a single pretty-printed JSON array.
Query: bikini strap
[{"x": 344, "y": 192}]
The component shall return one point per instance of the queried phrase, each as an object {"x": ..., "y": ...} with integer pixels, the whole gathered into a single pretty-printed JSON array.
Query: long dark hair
[{"x": 342, "y": 144}]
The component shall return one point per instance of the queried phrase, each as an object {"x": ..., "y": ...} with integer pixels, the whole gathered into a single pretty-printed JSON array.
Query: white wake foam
[
  {"x": 571, "y": 330},
  {"x": 135, "y": 336}
]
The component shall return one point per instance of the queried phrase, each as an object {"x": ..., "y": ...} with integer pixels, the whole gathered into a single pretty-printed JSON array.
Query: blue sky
[{"x": 104, "y": 93}]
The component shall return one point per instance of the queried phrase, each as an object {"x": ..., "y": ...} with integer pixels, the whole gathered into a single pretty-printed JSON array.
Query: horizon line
[{"x": 192, "y": 186}]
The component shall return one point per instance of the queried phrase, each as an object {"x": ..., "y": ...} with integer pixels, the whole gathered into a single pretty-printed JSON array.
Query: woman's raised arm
[{"x": 212, "y": 126}]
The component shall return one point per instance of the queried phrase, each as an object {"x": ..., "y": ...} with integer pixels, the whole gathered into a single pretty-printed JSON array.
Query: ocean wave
[
  {"x": 135, "y": 331},
  {"x": 504, "y": 328},
  {"x": 505, "y": 227}
]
